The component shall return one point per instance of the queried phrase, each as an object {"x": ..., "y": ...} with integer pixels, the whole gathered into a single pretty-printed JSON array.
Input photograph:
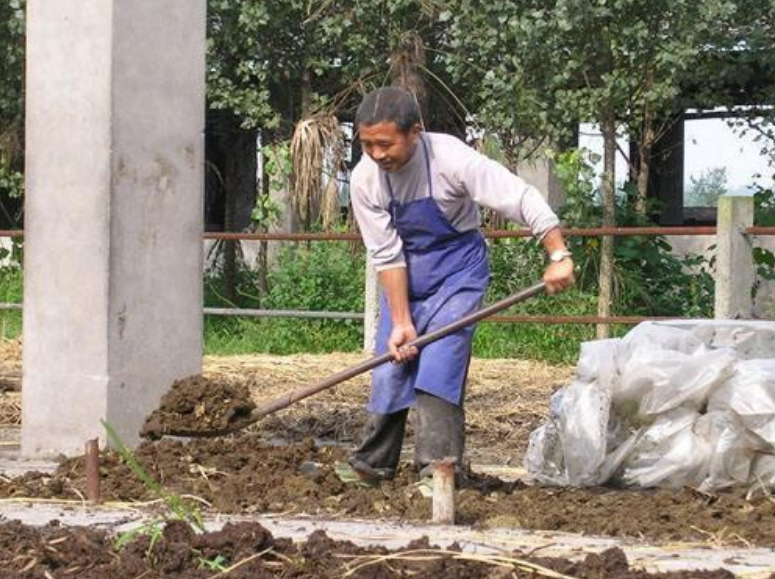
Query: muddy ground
[
  {"x": 247, "y": 550},
  {"x": 285, "y": 464},
  {"x": 241, "y": 475}
]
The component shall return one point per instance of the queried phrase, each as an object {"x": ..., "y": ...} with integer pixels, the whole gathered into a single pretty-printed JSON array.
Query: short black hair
[{"x": 389, "y": 104}]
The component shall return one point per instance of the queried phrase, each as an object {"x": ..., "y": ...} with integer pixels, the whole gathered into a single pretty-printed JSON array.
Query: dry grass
[{"x": 506, "y": 400}]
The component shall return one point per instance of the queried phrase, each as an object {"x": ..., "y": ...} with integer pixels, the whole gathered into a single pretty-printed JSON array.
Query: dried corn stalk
[{"x": 317, "y": 153}]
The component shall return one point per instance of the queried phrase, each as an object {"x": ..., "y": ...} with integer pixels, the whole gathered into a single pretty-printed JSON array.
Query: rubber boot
[
  {"x": 378, "y": 454},
  {"x": 440, "y": 433}
]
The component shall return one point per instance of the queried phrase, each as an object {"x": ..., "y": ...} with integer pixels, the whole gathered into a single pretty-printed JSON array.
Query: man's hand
[
  {"x": 559, "y": 276},
  {"x": 399, "y": 336}
]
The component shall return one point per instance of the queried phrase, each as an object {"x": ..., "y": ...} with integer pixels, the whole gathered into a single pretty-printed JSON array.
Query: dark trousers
[{"x": 440, "y": 433}]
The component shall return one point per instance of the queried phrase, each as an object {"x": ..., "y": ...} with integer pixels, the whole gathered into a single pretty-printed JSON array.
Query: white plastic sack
[
  {"x": 583, "y": 427},
  {"x": 750, "y": 392},
  {"x": 647, "y": 367},
  {"x": 670, "y": 404},
  {"x": 617, "y": 457},
  {"x": 658, "y": 336},
  {"x": 544, "y": 456},
  {"x": 672, "y": 452},
  {"x": 734, "y": 449},
  {"x": 598, "y": 363},
  {"x": 690, "y": 382},
  {"x": 750, "y": 340},
  {"x": 763, "y": 471},
  {"x": 649, "y": 355}
]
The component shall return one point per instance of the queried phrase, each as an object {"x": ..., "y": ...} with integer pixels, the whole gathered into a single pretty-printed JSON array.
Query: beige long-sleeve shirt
[{"x": 462, "y": 179}]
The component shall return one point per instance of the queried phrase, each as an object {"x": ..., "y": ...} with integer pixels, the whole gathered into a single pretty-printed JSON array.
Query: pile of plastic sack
[{"x": 670, "y": 404}]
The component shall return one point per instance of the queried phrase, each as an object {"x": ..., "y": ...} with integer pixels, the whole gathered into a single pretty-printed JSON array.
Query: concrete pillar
[
  {"x": 113, "y": 253},
  {"x": 735, "y": 272},
  {"x": 371, "y": 309}
]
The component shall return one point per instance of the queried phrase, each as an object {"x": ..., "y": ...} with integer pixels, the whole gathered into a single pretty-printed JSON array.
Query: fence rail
[
  {"x": 490, "y": 234},
  {"x": 359, "y": 316}
]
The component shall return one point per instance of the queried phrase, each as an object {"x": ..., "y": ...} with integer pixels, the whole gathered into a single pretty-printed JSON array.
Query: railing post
[
  {"x": 735, "y": 272},
  {"x": 371, "y": 308}
]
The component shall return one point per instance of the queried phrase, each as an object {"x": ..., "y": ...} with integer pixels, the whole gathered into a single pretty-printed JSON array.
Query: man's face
[{"x": 388, "y": 145}]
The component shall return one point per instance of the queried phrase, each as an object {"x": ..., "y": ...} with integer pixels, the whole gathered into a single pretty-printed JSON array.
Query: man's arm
[
  {"x": 491, "y": 184},
  {"x": 559, "y": 274},
  {"x": 395, "y": 284}
]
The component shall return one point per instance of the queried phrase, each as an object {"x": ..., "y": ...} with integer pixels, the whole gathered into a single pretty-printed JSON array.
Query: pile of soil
[
  {"x": 200, "y": 405},
  {"x": 241, "y": 475},
  {"x": 248, "y": 550},
  {"x": 506, "y": 401}
]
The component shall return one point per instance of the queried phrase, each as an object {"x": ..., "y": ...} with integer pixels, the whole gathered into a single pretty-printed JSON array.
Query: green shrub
[
  {"x": 318, "y": 276},
  {"x": 649, "y": 280},
  {"x": 11, "y": 284}
]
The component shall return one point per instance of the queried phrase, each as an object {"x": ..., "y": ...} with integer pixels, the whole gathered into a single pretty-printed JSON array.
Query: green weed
[
  {"x": 179, "y": 508},
  {"x": 217, "y": 563}
]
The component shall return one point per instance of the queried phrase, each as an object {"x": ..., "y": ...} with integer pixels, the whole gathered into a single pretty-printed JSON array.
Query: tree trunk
[
  {"x": 263, "y": 248},
  {"x": 644, "y": 165},
  {"x": 605, "y": 295}
]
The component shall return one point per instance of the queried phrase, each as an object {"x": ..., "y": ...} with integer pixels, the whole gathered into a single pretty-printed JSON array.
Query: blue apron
[{"x": 448, "y": 277}]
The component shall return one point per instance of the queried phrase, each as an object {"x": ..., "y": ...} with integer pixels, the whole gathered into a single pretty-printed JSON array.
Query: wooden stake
[
  {"x": 444, "y": 491},
  {"x": 92, "y": 458}
]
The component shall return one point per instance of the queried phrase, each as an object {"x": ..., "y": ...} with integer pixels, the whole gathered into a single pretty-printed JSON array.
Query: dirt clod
[
  {"x": 244, "y": 550},
  {"x": 199, "y": 404},
  {"x": 241, "y": 475}
]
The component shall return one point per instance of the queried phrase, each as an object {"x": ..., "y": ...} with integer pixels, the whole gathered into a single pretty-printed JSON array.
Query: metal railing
[{"x": 490, "y": 234}]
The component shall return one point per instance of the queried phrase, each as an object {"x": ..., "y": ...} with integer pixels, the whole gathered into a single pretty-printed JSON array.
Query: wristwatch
[{"x": 559, "y": 255}]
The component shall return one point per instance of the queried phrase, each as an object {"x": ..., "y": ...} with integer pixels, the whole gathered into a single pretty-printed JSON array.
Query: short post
[
  {"x": 371, "y": 308},
  {"x": 92, "y": 467},
  {"x": 735, "y": 271},
  {"x": 444, "y": 491}
]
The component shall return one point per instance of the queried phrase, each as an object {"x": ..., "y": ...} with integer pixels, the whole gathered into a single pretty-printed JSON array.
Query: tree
[
  {"x": 538, "y": 68},
  {"x": 705, "y": 190},
  {"x": 11, "y": 110}
]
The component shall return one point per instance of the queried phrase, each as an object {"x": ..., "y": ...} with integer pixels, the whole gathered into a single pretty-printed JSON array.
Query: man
[{"x": 415, "y": 197}]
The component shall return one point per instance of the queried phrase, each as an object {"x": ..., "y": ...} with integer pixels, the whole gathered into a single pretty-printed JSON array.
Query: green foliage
[
  {"x": 12, "y": 22},
  {"x": 313, "y": 277},
  {"x": 649, "y": 278},
  {"x": 557, "y": 62},
  {"x": 217, "y": 563},
  {"x": 278, "y": 167},
  {"x": 268, "y": 60},
  {"x": 11, "y": 182},
  {"x": 515, "y": 265},
  {"x": 154, "y": 530},
  {"x": 705, "y": 190},
  {"x": 11, "y": 285},
  {"x": 764, "y": 215}
]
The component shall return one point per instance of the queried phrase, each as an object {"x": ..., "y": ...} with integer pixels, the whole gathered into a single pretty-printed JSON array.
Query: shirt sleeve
[
  {"x": 492, "y": 185},
  {"x": 380, "y": 237}
]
